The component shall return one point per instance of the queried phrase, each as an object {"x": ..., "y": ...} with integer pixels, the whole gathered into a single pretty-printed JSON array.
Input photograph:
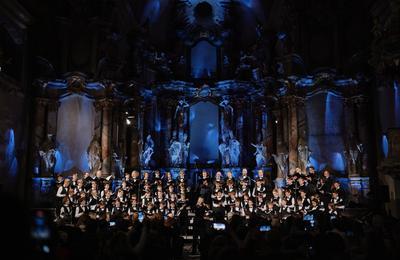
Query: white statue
[
  {"x": 227, "y": 116},
  {"x": 234, "y": 150},
  {"x": 353, "y": 153},
  {"x": 185, "y": 149},
  {"x": 304, "y": 156},
  {"x": 353, "y": 158},
  {"x": 93, "y": 154},
  {"x": 229, "y": 150},
  {"x": 49, "y": 157},
  {"x": 175, "y": 152},
  {"x": 224, "y": 151},
  {"x": 48, "y": 152},
  {"x": 180, "y": 111},
  {"x": 281, "y": 161},
  {"x": 261, "y": 151},
  {"x": 147, "y": 151}
]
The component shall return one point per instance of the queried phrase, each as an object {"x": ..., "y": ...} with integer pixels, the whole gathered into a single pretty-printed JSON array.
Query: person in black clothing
[
  {"x": 99, "y": 180},
  {"x": 329, "y": 180},
  {"x": 204, "y": 190},
  {"x": 87, "y": 181},
  {"x": 199, "y": 222}
]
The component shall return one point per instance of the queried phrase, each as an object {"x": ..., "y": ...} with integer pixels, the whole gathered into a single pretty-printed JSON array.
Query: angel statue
[
  {"x": 234, "y": 150},
  {"x": 48, "y": 152},
  {"x": 224, "y": 151},
  {"x": 185, "y": 149},
  {"x": 147, "y": 151},
  {"x": 181, "y": 112},
  {"x": 175, "y": 152},
  {"x": 281, "y": 161},
  {"x": 227, "y": 115},
  {"x": 93, "y": 154},
  {"x": 304, "y": 156},
  {"x": 261, "y": 151},
  {"x": 49, "y": 157}
]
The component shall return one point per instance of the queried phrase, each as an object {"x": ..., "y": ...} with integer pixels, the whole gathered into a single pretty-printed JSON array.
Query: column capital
[
  {"x": 360, "y": 100},
  {"x": 39, "y": 101},
  {"x": 293, "y": 100},
  {"x": 104, "y": 104},
  {"x": 53, "y": 104}
]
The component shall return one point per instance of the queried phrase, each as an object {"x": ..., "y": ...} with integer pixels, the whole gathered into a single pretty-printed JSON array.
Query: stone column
[
  {"x": 393, "y": 135},
  {"x": 52, "y": 113},
  {"x": 106, "y": 128},
  {"x": 350, "y": 137},
  {"x": 38, "y": 134},
  {"x": 240, "y": 106},
  {"x": 293, "y": 134},
  {"x": 302, "y": 128},
  {"x": 135, "y": 133},
  {"x": 280, "y": 145},
  {"x": 140, "y": 134},
  {"x": 269, "y": 134},
  {"x": 265, "y": 135},
  {"x": 362, "y": 133},
  {"x": 349, "y": 121},
  {"x": 39, "y": 121},
  {"x": 168, "y": 107},
  {"x": 280, "y": 124}
]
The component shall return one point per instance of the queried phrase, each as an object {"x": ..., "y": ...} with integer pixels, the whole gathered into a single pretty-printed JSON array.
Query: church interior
[{"x": 133, "y": 125}]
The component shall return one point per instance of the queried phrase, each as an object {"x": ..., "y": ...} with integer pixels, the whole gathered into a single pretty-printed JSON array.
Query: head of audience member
[
  {"x": 135, "y": 174},
  {"x": 327, "y": 174},
  {"x": 99, "y": 174},
  {"x": 301, "y": 181},
  {"x": 66, "y": 182},
  {"x": 204, "y": 174},
  {"x": 59, "y": 178},
  {"x": 260, "y": 174},
  {"x": 218, "y": 175},
  {"x": 94, "y": 185}
]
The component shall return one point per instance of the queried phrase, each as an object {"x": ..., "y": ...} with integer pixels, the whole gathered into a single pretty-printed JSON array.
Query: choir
[{"x": 305, "y": 193}]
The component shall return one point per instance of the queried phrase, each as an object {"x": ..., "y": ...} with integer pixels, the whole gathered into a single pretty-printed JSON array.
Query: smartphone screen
[
  {"x": 265, "y": 228},
  {"x": 141, "y": 216},
  {"x": 308, "y": 217},
  {"x": 219, "y": 226},
  {"x": 112, "y": 224}
]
